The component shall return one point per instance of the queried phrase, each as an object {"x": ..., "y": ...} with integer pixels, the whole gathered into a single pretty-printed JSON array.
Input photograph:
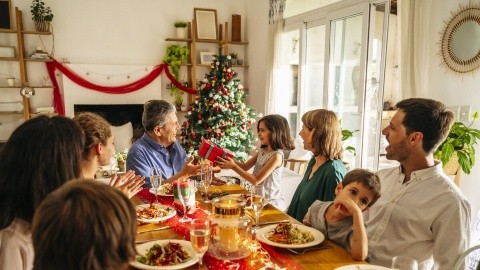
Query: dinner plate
[
  {"x": 171, "y": 213},
  {"x": 161, "y": 193},
  {"x": 187, "y": 247},
  {"x": 240, "y": 196},
  {"x": 266, "y": 231},
  {"x": 362, "y": 267}
]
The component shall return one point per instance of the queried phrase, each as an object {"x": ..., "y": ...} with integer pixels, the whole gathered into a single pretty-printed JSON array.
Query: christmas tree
[{"x": 219, "y": 113}]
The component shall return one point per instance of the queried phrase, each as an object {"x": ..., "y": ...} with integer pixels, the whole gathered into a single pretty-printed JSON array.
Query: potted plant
[
  {"x": 176, "y": 55},
  {"x": 459, "y": 145},
  {"x": 233, "y": 58},
  {"x": 121, "y": 157},
  {"x": 181, "y": 28},
  {"x": 41, "y": 15}
]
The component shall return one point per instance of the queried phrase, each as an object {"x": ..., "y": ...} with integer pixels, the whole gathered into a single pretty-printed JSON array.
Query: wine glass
[
  {"x": 155, "y": 180},
  {"x": 206, "y": 177},
  {"x": 200, "y": 237},
  {"x": 258, "y": 201},
  {"x": 183, "y": 192},
  {"x": 404, "y": 263}
]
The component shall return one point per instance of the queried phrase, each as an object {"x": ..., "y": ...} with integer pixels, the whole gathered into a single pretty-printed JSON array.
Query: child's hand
[
  {"x": 225, "y": 163},
  {"x": 347, "y": 204},
  {"x": 307, "y": 218}
]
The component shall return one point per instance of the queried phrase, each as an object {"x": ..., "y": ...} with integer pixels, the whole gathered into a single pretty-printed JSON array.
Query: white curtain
[
  {"x": 274, "y": 48},
  {"x": 414, "y": 28}
]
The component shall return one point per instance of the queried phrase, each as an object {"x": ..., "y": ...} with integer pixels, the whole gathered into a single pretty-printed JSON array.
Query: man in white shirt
[{"x": 421, "y": 214}]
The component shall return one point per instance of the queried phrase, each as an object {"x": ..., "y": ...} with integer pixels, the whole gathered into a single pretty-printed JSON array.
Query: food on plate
[
  {"x": 161, "y": 255},
  {"x": 152, "y": 211},
  {"x": 216, "y": 193},
  {"x": 166, "y": 188},
  {"x": 286, "y": 233}
]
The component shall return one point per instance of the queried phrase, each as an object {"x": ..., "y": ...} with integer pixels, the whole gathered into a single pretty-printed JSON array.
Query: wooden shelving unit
[
  {"x": 22, "y": 60},
  {"x": 191, "y": 41}
]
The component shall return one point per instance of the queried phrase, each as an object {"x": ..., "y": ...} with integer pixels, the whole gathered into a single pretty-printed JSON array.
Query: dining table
[{"x": 328, "y": 258}]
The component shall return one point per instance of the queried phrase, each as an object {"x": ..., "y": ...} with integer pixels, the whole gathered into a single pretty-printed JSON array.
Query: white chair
[{"x": 464, "y": 255}]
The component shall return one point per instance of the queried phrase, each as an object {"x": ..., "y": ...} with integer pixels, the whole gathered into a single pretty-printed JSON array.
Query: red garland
[
  {"x": 210, "y": 261},
  {"x": 120, "y": 89}
]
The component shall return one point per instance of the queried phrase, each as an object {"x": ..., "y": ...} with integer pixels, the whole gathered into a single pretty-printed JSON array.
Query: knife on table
[
  {"x": 155, "y": 229},
  {"x": 272, "y": 222}
]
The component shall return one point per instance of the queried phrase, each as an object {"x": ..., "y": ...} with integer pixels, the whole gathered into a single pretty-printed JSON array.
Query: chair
[
  {"x": 296, "y": 165},
  {"x": 463, "y": 256}
]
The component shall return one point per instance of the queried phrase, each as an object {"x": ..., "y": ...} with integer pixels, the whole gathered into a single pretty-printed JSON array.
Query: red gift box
[{"x": 211, "y": 151}]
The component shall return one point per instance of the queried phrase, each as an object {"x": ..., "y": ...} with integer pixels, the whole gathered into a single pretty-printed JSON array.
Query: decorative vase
[
  {"x": 181, "y": 32},
  {"x": 42, "y": 26},
  {"x": 452, "y": 166}
]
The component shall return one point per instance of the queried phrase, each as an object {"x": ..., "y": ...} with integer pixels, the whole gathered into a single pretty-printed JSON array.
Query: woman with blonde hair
[
  {"x": 322, "y": 135},
  {"x": 99, "y": 148}
]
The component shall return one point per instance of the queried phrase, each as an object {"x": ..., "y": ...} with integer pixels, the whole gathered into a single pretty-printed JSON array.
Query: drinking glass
[
  {"x": 184, "y": 192},
  {"x": 206, "y": 177},
  {"x": 155, "y": 180},
  {"x": 404, "y": 263},
  {"x": 258, "y": 201},
  {"x": 200, "y": 237}
]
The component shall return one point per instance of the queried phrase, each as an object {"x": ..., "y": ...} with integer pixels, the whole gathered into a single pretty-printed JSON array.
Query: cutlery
[
  {"x": 272, "y": 222},
  {"x": 155, "y": 229},
  {"x": 301, "y": 251}
]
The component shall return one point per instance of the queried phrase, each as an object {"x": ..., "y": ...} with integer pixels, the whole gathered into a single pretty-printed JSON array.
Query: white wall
[
  {"x": 128, "y": 32},
  {"x": 454, "y": 90}
]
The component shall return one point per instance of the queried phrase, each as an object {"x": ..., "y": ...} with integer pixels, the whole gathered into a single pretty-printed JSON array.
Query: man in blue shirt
[{"x": 158, "y": 147}]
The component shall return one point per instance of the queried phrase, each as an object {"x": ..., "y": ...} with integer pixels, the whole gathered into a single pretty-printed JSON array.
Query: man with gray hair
[{"x": 158, "y": 147}]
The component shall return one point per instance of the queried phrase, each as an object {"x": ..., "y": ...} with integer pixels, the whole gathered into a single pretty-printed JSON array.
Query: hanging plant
[{"x": 176, "y": 55}]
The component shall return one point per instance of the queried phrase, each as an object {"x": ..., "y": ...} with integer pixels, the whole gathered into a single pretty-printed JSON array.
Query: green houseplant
[
  {"x": 41, "y": 15},
  {"x": 460, "y": 142},
  {"x": 176, "y": 55},
  {"x": 180, "y": 27}
]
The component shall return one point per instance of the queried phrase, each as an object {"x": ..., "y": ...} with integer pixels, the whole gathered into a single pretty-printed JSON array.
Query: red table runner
[{"x": 262, "y": 257}]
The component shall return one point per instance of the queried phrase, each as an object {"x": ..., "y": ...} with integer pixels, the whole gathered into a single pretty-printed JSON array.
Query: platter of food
[
  {"x": 288, "y": 235},
  {"x": 153, "y": 213},
  {"x": 362, "y": 267},
  {"x": 165, "y": 255},
  {"x": 165, "y": 190}
]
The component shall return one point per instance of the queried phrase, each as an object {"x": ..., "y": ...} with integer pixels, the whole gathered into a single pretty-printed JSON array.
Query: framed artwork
[
  {"x": 5, "y": 17},
  {"x": 206, "y": 20},
  {"x": 206, "y": 57}
]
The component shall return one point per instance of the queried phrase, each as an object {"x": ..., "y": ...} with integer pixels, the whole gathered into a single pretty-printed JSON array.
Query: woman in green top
[{"x": 322, "y": 135}]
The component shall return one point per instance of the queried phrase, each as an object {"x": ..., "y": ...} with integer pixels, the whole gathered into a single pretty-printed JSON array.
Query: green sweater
[{"x": 320, "y": 187}]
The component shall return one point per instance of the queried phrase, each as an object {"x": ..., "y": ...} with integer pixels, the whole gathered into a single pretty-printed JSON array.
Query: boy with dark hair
[{"x": 342, "y": 220}]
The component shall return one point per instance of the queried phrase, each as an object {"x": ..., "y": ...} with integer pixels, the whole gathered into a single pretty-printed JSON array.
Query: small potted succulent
[
  {"x": 181, "y": 28},
  {"x": 233, "y": 59},
  {"x": 42, "y": 15}
]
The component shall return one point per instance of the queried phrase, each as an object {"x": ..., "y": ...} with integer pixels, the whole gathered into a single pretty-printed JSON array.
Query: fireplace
[{"x": 116, "y": 114}]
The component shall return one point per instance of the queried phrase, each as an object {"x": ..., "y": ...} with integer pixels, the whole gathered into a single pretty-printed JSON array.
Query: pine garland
[{"x": 219, "y": 113}]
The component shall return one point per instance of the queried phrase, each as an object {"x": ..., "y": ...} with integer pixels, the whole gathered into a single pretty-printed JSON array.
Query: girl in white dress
[{"x": 274, "y": 136}]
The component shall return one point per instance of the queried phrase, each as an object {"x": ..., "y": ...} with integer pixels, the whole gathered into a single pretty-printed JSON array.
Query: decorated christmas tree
[{"x": 219, "y": 113}]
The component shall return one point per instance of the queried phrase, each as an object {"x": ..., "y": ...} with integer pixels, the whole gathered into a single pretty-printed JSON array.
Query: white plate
[
  {"x": 187, "y": 247},
  {"x": 171, "y": 213},
  {"x": 266, "y": 231},
  {"x": 161, "y": 193},
  {"x": 362, "y": 267}
]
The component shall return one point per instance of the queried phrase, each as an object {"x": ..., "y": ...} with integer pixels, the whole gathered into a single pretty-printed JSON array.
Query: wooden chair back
[{"x": 296, "y": 165}]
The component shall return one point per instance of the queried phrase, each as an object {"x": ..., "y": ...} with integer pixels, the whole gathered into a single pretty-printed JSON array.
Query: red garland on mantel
[{"x": 119, "y": 89}]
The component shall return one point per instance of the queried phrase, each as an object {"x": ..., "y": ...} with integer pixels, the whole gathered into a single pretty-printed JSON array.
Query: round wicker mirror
[{"x": 460, "y": 41}]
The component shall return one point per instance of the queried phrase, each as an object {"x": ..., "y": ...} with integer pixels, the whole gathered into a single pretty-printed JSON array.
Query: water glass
[
  {"x": 206, "y": 175},
  {"x": 404, "y": 263},
  {"x": 155, "y": 180},
  {"x": 200, "y": 237}
]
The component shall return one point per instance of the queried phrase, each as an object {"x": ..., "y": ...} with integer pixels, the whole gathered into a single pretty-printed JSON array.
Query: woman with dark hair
[
  {"x": 64, "y": 239},
  {"x": 99, "y": 149},
  {"x": 322, "y": 135},
  {"x": 41, "y": 155}
]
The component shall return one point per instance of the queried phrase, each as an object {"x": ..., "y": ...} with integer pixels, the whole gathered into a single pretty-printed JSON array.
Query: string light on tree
[{"x": 219, "y": 113}]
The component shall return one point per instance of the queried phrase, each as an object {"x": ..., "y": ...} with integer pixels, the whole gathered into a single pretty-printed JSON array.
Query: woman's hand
[
  {"x": 226, "y": 163},
  {"x": 128, "y": 183}
]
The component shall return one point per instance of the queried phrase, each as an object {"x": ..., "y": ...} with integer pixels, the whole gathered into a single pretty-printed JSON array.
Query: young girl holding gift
[{"x": 274, "y": 135}]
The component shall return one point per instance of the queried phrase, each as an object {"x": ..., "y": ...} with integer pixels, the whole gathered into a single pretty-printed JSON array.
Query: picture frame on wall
[
  {"x": 5, "y": 15},
  {"x": 206, "y": 20},
  {"x": 206, "y": 57}
]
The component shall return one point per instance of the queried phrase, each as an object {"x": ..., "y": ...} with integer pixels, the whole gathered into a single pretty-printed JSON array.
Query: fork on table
[{"x": 303, "y": 250}]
